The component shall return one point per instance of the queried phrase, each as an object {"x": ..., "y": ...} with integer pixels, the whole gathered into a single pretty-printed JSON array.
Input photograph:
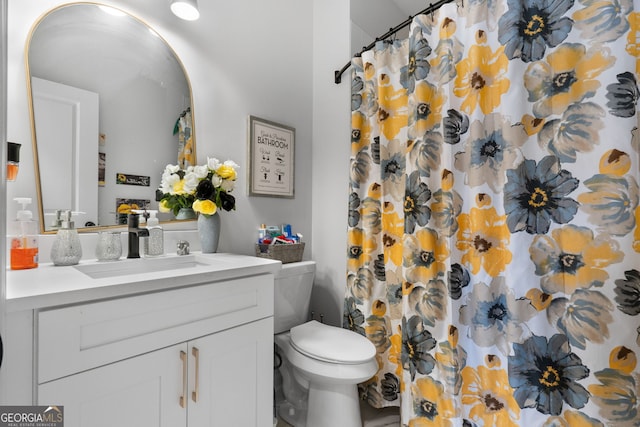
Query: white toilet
[{"x": 319, "y": 365}]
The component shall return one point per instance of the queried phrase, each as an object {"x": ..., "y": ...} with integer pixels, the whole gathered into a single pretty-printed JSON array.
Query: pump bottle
[
  {"x": 154, "y": 244},
  {"x": 66, "y": 249},
  {"x": 24, "y": 238}
]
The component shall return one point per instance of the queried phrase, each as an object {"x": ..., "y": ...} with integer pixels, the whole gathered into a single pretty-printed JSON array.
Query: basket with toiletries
[{"x": 279, "y": 243}]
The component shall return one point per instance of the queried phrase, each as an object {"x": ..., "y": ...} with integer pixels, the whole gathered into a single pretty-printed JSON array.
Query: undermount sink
[{"x": 101, "y": 270}]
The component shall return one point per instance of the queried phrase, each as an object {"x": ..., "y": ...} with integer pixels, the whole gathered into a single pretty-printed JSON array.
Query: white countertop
[{"x": 49, "y": 285}]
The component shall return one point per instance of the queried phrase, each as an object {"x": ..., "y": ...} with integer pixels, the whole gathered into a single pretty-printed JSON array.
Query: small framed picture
[{"x": 271, "y": 159}]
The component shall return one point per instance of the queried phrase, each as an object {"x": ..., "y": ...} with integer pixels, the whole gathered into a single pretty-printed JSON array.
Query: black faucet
[{"x": 135, "y": 232}]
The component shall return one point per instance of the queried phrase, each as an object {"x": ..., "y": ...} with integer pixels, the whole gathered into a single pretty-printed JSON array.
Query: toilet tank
[{"x": 292, "y": 295}]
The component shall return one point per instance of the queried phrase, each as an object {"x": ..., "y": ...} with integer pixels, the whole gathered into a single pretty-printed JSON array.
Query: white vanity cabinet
[{"x": 198, "y": 355}]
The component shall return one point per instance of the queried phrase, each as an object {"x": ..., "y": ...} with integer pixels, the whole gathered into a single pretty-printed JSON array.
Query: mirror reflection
[{"x": 111, "y": 107}]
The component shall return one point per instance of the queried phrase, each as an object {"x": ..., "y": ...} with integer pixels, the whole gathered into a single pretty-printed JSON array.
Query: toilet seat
[{"x": 331, "y": 344}]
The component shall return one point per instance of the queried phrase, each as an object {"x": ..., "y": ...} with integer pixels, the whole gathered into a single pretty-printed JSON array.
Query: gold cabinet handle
[
  {"x": 183, "y": 400},
  {"x": 196, "y": 356}
]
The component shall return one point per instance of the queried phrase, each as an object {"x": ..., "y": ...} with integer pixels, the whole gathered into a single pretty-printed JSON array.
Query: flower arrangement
[{"x": 203, "y": 188}]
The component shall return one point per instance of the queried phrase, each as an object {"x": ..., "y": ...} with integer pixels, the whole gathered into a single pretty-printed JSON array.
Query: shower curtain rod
[{"x": 432, "y": 7}]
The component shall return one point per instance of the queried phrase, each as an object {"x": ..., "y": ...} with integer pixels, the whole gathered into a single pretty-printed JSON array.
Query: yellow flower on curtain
[
  {"x": 360, "y": 132},
  {"x": 426, "y": 109},
  {"x": 359, "y": 248},
  {"x": 572, "y": 258},
  {"x": 481, "y": 79},
  {"x": 633, "y": 38},
  {"x": 393, "y": 110},
  {"x": 425, "y": 256},
  {"x": 395, "y": 355},
  {"x": 393, "y": 226},
  {"x": 431, "y": 404},
  {"x": 489, "y": 396},
  {"x": 484, "y": 238},
  {"x": 569, "y": 74}
]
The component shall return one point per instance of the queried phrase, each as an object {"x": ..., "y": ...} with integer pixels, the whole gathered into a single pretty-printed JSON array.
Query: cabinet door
[
  {"x": 143, "y": 391},
  {"x": 231, "y": 378}
]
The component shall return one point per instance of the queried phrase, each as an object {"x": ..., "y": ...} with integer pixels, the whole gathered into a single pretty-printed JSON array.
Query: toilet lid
[{"x": 331, "y": 344}]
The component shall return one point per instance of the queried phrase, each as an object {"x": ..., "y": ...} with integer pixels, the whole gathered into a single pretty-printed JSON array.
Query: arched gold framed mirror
[{"x": 111, "y": 106}]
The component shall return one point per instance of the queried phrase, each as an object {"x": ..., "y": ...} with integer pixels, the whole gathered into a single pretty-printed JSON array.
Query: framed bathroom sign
[{"x": 271, "y": 158}]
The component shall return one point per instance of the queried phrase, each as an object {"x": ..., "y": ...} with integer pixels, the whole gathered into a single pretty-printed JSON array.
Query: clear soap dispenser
[
  {"x": 24, "y": 238},
  {"x": 154, "y": 244},
  {"x": 66, "y": 249}
]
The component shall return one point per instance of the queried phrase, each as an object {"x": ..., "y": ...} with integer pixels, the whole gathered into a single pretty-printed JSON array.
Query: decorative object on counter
[
  {"x": 271, "y": 159},
  {"x": 209, "y": 232},
  {"x": 186, "y": 213},
  {"x": 182, "y": 247},
  {"x": 66, "y": 249},
  {"x": 109, "y": 246},
  {"x": 24, "y": 238},
  {"x": 203, "y": 188},
  {"x": 13, "y": 160},
  {"x": 154, "y": 244}
]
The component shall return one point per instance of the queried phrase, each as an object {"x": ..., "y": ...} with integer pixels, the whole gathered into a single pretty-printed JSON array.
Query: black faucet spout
[{"x": 135, "y": 232}]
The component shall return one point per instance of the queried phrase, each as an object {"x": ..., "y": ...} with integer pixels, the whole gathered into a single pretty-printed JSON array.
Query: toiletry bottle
[
  {"x": 66, "y": 249},
  {"x": 24, "y": 238},
  {"x": 262, "y": 233},
  {"x": 154, "y": 244}
]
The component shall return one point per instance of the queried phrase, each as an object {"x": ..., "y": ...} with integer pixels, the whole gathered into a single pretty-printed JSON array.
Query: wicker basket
[{"x": 285, "y": 253}]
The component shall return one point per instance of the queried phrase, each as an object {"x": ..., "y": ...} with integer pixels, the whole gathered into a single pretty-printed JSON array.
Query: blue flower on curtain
[
  {"x": 417, "y": 343},
  {"x": 494, "y": 316},
  {"x": 530, "y": 26},
  {"x": 353, "y": 318},
  {"x": 418, "y": 65},
  {"x": 628, "y": 293},
  {"x": 457, "y": 279},
  {"x": 416, "y": 210},
  {"x": 492, "y": 147},
  {"x": 536, "y": 194},
  {"x": 623, "y": 96},
  {"x": 455, "y": 125},
  {"x": 603, "y": 22},
  {"x": 545, "y": 375}
]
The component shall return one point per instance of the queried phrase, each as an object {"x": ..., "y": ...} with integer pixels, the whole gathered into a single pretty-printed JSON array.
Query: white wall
[{"x": 243, "y": 58}]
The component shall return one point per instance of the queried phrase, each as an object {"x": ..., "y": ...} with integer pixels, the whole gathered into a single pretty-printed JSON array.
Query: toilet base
[{"x": 336, "y": 405}]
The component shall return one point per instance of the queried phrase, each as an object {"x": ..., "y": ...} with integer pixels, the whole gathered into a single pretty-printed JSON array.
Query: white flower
[
  {"x": 168, "y": 182},
  {"x": 171, "y": 169},
  {"x": 216, "y": 180},
  {"x": 191, "y": 181},
  {"x": 201, "y": 171},
  {"x": 228, "y": 185},
  {"x": 213, "y": 163},
  {"x": 232, "y": 164}
]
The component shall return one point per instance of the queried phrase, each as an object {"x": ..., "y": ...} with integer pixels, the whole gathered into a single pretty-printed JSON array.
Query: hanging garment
[
  {"x": 494, "y": 228},
  {"x": 186, "y": 150}
]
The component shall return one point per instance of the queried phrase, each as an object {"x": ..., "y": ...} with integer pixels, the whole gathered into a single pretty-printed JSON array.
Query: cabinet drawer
[{"x": 76, "y": 338}]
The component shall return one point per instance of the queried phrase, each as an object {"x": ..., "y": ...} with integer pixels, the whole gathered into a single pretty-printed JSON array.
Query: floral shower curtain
[{"x": 494, "y": 228}]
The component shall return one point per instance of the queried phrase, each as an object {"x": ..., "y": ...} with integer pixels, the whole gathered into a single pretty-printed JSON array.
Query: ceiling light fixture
[{"x": 185, "y": 9}]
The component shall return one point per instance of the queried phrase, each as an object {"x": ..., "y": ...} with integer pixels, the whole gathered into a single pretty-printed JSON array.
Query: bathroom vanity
[{"x": 171, "y": 341}]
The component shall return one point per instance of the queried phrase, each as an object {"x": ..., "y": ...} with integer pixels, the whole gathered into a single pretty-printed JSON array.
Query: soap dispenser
[
  {"x": 66, "y": 249},
  {"x": 154, "y": 244},
  {"x": 24, "y": 238}
]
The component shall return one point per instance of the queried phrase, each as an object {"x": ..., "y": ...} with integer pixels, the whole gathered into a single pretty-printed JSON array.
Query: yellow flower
[
  {"x": 427, "y": 108},
  {"x": 359, "y": 249},
  {"x": 393, "y": 111},
  {"x": 360, "y": 132},
  {"x": 633, "y": 36},
  {"x": 178, "y": 187},
  {"x": 206, "y": 207},
  {"x": 226, "y": 172},
  {"x": 484, "y": 237},
  {"x": 163, "y": 206},
  {"x": 568, "y": 75},
  {"x": 481, "y": 79},
  {"x": 431, "y": 404},
  {"x": 393, "y": 230},
  {"x": 490, "y": 397}
]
